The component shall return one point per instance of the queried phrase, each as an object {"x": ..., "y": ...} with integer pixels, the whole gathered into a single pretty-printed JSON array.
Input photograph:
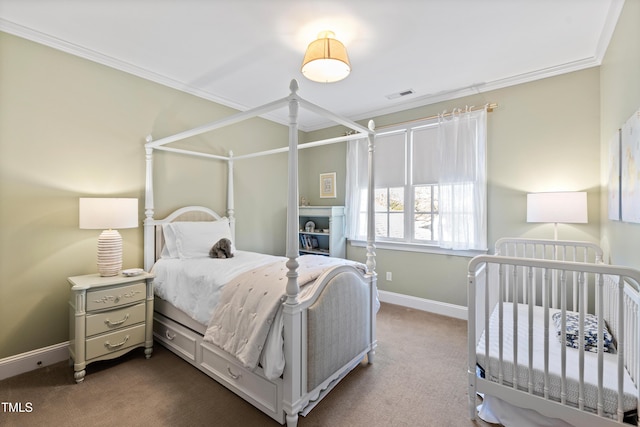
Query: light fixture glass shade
[
  {"x": 326, "y": 59},
  {"x": 108, "y": 214},
  {"x": 557, "y": 207}
]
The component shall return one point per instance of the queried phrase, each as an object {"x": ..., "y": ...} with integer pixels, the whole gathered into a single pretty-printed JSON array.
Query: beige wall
[
  {"x": 72, "y": 128},
  {"x": 544, "y": 136},
  {"x": 620, "y": 95}
]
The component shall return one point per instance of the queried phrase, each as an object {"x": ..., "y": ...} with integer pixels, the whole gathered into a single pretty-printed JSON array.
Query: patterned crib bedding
[{"x": 491, "y": 365}]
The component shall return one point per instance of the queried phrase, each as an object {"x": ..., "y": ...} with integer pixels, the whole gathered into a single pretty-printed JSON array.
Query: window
[{"x": 430, "y": 184}]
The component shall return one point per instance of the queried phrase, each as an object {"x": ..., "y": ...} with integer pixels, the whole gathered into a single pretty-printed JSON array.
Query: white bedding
[
  {"x": 249, "y": 303},
  {"x": 555, "y": 348},
  {"x": 193, "y": 285}
]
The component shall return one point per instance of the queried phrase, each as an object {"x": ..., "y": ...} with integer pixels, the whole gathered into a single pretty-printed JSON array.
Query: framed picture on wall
[
  {"x": 614, "y": 177},
  {"x": 630, "y": 166},
  {"x": 328, "y": 185}
]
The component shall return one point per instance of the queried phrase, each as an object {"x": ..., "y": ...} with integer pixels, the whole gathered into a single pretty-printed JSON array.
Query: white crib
[{"x": 515, "y": 353}]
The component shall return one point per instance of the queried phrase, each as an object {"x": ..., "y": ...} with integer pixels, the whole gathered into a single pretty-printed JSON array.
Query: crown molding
[
  {"x": 91, "y": 55},
  {"x": 85, "y": 53},
  {"x": 472, "y": 90}
]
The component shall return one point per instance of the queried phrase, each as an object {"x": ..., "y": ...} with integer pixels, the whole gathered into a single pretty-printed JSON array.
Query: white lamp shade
[
  {"x": 108, "y": 213},
  {"x": 557, "y": 207}
]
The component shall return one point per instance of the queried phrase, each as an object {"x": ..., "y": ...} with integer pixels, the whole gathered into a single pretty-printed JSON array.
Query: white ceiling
[{"x": 243, "y": 53}]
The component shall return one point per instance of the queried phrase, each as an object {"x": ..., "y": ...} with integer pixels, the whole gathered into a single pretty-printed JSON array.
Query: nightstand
[{"x": 109, "y": 316}]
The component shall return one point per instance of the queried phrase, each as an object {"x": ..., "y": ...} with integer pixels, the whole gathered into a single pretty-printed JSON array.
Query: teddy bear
[{"x": 222, "y": 249}]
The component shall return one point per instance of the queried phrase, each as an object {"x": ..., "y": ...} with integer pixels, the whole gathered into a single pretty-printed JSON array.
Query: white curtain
[
  {"x": 356, "y": 182},
  {"x": 463, "y": 180}
]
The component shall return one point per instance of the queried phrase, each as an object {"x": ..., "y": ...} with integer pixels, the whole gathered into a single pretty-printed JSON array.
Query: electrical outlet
[{"x": 389, "y": 278}]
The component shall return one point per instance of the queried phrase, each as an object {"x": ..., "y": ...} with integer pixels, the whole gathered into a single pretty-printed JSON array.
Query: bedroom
[{"x": 96, "y": 116}]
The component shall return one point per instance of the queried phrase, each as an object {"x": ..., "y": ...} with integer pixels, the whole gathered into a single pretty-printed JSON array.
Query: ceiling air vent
[{"x": 401, "y": 94}]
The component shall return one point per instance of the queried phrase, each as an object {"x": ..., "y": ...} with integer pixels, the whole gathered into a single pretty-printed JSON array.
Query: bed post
[
  {"x": 471, "y": 339},
  {"x": 371, "y": 227},
  {"x": 149, "y": 232},
  {"x": 230, "y": 199},
  {"x": 292, "y": 199},
  {"x": 371, "y": 238},
  {"x": 292, "y": 317}
]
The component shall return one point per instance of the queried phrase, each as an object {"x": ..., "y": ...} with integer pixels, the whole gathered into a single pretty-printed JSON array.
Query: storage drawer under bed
[
  {"x": 177, "y": 337},
  {"x": 251, "y": 385}
]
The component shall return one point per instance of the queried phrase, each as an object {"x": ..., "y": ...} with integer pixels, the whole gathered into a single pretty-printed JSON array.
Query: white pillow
[
  {"x": 195, "y": 239},
  {"x": 170, "y": 249}
]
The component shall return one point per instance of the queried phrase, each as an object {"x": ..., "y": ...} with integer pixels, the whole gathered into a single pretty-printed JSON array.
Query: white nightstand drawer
[
  {"x": 121, "y": 339},
  {"x": 114, "y": 297},
  {"x": 115, "y": 319},
  {"x": 258, "y": 389}
]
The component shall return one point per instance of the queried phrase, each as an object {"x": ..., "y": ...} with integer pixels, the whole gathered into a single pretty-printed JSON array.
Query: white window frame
[{"x": 409, "y": 242}]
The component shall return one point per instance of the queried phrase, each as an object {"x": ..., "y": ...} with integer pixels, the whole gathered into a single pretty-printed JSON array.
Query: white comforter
[
  {"x": 249, "y": 303},
  {"x": 196, "y": 286}
]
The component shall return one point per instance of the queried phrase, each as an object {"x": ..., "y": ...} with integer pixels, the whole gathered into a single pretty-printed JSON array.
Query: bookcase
[{"x": 322, "y": 230}]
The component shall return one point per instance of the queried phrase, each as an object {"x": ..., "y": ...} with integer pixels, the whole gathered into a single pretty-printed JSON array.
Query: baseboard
[
  {"x": 437, "y": 307},
  {"x": 25, "y": 362},
  {"x": 29, "y": 361}
]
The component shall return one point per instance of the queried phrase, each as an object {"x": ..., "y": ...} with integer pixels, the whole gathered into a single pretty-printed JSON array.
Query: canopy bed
[
  {"x": 553, "y": 335},
  {"x": 319, "y": 321}
]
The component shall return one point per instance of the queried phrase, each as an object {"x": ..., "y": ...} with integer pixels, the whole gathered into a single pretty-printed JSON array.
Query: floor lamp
[{"x": 565, "y": 207}]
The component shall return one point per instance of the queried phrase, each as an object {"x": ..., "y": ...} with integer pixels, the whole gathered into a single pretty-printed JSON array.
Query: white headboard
[{"x": 153, "y": 228}]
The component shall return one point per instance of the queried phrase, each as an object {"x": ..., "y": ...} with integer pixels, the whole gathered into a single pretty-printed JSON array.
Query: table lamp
[
  {"x": 108, "y": 214},
  {"x": 563, "y": 206}
]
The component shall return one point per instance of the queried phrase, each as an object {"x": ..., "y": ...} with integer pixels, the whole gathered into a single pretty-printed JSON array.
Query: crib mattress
[{"x": 492, "y": 365}]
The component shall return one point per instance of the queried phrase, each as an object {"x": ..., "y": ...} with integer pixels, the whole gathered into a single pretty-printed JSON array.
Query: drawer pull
[
  {"x": 119, "y": 322},
  {"x": 114, "y": 346},
  {"x": 232, "y": 375},
  {"x": 169, "y": 335}
]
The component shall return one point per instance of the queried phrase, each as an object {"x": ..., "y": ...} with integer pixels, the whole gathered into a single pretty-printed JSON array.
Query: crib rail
[
  {"x": 513, "y": 287},
  {"x": 628, "y": 323},
  {"x": 559, "y": 250}
]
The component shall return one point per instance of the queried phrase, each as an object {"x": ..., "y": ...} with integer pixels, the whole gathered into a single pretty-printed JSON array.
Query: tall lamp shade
[
  {"x": 109, "y": 215},
  {"x": 326, "y": 59},
  {"x": 557, "y": 207}
]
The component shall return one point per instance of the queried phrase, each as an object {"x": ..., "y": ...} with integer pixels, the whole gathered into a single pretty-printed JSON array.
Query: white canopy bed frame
[{"x": 290, "y": 395}]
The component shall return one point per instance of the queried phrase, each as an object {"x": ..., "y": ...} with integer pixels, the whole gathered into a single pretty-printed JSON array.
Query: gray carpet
[{"x": 418, "y": 379}]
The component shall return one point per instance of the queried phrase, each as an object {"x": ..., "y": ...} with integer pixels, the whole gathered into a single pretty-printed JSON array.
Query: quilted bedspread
[{"x": 249, "y": 303}]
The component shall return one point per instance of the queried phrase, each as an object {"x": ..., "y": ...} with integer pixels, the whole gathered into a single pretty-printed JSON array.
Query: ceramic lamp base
[{"x": 109, "y": 253}]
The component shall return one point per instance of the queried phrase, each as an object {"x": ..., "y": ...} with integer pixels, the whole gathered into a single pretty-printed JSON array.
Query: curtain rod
[{"x": 489, "y": 107}]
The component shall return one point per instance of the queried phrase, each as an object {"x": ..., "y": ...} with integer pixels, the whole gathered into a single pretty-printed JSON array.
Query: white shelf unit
[{"x": 328, "y": 231}]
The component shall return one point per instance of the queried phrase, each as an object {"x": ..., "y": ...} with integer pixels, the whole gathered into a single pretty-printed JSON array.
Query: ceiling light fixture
[{"x": 326, "y": 59}]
